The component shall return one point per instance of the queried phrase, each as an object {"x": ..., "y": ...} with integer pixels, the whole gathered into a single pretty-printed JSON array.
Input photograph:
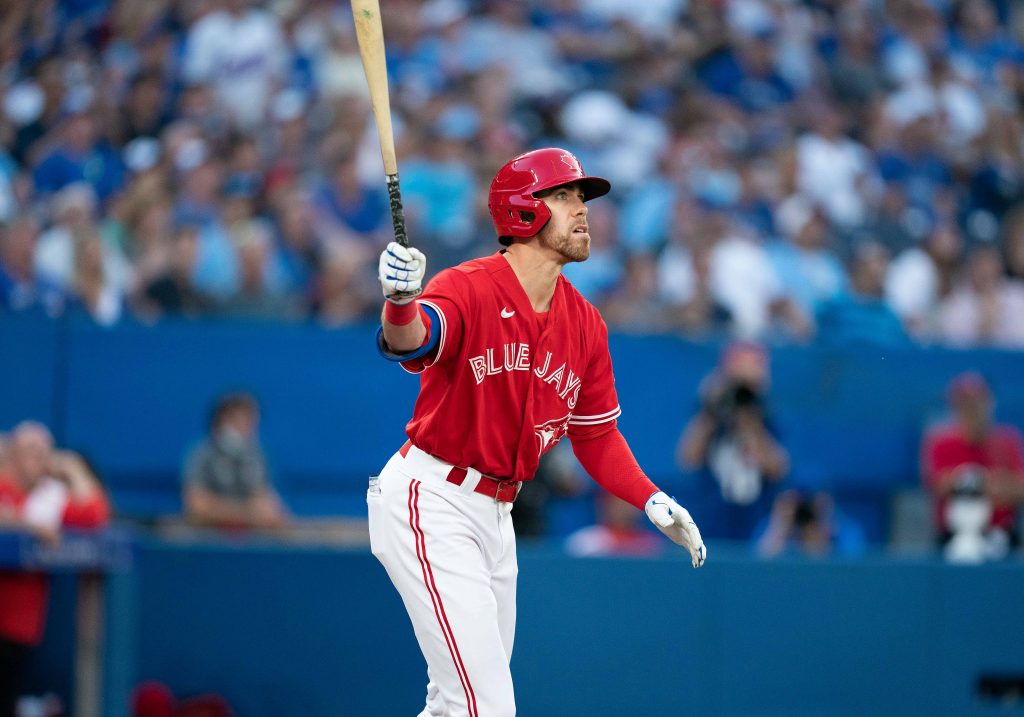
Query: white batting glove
[
  {"x": 674, "y": 521},
  {"x": 401, "y": 271}
]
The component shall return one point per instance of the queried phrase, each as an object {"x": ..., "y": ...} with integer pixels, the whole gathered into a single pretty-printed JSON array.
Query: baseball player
[{"x": 511, "y": 360}]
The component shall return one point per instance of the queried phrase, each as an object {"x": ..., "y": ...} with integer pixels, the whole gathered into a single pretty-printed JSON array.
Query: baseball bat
[{"x": 370, "y": 36}]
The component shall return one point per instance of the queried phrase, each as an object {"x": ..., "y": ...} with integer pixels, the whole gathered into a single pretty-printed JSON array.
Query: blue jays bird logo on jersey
[{"x": 551, "y": 432}]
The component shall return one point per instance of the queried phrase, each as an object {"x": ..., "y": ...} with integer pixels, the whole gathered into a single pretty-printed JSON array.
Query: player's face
[{"x": 566, "y": 232}]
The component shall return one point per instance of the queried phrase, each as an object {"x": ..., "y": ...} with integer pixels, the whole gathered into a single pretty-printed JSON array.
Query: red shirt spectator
[
  {"x": 973, "y": 442},
  {"x": 24, "y": 595}
]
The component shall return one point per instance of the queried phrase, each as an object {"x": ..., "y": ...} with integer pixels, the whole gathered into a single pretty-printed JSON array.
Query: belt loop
[{"x": 470, "y": 483}]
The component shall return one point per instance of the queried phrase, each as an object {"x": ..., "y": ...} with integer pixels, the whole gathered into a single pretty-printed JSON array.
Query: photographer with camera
[
  {"x": 809, "y": 525},
  {"x": 732, "y": 443}
]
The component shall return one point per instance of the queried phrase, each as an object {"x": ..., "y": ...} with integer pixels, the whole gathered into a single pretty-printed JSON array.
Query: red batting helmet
[{"x": 514, "y": 186}]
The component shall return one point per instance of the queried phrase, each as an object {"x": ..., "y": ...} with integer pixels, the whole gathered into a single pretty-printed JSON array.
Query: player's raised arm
[{"x": 401, "y": 271}]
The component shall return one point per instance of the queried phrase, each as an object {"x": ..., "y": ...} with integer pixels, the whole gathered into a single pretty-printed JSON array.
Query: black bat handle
[{"x": 397, "y": 214}]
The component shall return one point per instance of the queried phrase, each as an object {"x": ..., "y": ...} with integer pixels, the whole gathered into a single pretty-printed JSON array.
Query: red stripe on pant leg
[
  {"x": 472, "y": 696},
  {"x": 435, "y": 597}
]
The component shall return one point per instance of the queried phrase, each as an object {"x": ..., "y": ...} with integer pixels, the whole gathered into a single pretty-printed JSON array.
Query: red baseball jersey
[
  {"x": 947, "y": 447},
  {"x": 506, "y": 383}
]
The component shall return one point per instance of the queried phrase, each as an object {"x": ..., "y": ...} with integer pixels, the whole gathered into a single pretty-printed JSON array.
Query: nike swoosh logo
[{"x": 506, "y": 314}]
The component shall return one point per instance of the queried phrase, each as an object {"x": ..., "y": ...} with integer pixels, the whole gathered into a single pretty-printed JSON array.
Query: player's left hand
[
  {"x": 674, "y": 521},
  {"x": 401, "y": 270}
]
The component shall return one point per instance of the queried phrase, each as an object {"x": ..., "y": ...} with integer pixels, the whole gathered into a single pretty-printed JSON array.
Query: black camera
[{"x": 736, "y": 396}]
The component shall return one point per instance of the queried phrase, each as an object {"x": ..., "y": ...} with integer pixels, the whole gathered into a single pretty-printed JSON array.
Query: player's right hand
[
  {"x": 401, "y": 272},
  {"x": 674, "y": 521}
]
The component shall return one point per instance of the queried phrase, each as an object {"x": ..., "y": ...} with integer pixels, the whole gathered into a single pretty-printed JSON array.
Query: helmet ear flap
[{"x": 519, "y": 225}]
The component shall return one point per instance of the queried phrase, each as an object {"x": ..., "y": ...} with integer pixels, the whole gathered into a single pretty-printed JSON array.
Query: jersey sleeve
[
  {"x": 598, "y": 402},
  {"x": 445, "y": 300}
]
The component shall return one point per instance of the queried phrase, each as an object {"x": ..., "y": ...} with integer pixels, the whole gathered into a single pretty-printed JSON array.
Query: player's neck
[{"x": 537, "y": 272}]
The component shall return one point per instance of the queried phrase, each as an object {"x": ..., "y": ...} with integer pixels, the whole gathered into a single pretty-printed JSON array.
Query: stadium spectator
[
  {"x": 342, "y": 294},
  {"x": 808, "y": 269},
  {"x": 1013, "y": 243},
  {"x": 893, "y": 221},
  {"x": 986, "y": 308},
  {"x": 345, "y": 202},
  {"x": 41, "y": 492},
  {"x": 226, "y": 483},
  {"x": 973, "y": 451},
  {"x": 173, "y": 291},
  {"x": 635, "y": 305},
  {"x": 861, "y": 314},
  {"x": 145, "y": 111},
  {"x": 20, "y": 288},
  {"x": 920, "y": 278},
  {"x": 808, "y": 525},
  {"x": 74, "y": 208},
  {"x": 300, "y": 248},
  {"x": 93, "y": 289},
  {"x": 618, "y": 531},
  {"x": 854, "y": 74},
  {"x": 732, "y": 444},
  {"x": 833, "y": 171},
  {"x": 201, "y": 202},
  {"x": 744, "y": 281},
  {"x": 698, "y": 313},
  {"x": 256, "y": 296},
  {"x": 81, "y": 155},
  {"x": 239, "y": 50}
]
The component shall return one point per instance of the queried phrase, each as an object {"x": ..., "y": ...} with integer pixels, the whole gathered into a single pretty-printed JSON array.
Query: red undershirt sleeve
[{"x": 606, "y": 457}]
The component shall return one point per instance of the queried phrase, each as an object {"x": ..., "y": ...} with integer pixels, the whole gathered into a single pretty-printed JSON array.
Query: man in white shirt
[{"x": 241, "y": 53}]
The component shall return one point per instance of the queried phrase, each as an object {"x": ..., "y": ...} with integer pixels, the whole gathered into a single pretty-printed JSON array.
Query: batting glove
[
  {"x": 674, "y": 521},
  {"x": 401, "y": 271}
]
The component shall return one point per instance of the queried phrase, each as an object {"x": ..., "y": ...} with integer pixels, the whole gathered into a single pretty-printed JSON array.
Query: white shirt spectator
[
  {"x": 744, "y": 282},
  {"x": 832, "y": 173},
  {"x": 956, "y": 103},
  {"x": 654, "y": 18},
  {"x": 912, "y": 286},
  {"x": 54, "y": 259},
  {"x": 962, "y": 318},
  {"x": 677, "y": 280},
  {"x": 534, "y": 69},
  {"x": 243, "y": 57}
]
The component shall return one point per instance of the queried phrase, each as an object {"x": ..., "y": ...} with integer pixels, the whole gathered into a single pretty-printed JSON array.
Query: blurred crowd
[{"x": 832, "y": 170}]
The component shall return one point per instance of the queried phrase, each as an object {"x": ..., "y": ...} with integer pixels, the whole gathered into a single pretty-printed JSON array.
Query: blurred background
[{"x": 811, "y": 264}]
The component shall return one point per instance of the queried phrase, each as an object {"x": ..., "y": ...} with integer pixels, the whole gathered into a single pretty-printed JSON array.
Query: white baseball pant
[{"x": 451, "y": 553}]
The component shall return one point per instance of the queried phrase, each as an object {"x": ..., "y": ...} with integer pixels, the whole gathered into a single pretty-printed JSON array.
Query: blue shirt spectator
[
  {"x": 441, "y": 191},
  {"x": 344, "y": 199},
  {"x": 862, "y": 316},
  {"x": 809, "y": 271},
  {"x": 81, "y": 156},
  {"x": 20, "y": 288}
]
